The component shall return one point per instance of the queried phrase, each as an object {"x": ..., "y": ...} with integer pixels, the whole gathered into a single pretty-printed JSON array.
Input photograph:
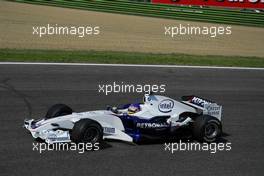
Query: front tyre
[
  {"x": 58, "y": 110},
  {"x": 207, "y": 128},
  {"x": 87, "y": 131}
]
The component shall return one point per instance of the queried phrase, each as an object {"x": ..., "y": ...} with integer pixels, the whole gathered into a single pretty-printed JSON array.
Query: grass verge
[{"x": 113, "y": 57}]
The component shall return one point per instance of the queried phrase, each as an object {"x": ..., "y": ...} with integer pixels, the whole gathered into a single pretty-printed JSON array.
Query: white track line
[{"x": 129, "y": 65}]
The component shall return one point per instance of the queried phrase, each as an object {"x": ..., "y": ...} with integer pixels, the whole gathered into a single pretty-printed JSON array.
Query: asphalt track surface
[{"x": 28, "y": 90}]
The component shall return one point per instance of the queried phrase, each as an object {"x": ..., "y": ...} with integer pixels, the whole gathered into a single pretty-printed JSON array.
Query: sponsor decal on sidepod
[{"x": 166, "y": 106}]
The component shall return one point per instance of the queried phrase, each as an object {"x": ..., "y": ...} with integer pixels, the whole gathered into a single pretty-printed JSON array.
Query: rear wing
[{"x": 208, "y": 107}]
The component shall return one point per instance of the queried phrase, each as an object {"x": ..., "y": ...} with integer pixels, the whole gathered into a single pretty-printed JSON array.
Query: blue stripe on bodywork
[{"x": 130, "y": 122}]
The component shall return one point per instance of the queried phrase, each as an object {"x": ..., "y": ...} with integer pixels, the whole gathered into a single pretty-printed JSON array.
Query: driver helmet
[{"x": 133, "y": 108}]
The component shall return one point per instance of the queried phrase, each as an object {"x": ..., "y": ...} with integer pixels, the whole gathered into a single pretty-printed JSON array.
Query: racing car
[{"x": 157, "y": 117}]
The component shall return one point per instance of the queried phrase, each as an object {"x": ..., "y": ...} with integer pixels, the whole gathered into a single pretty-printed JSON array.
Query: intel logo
[{"x": 166, "y": 106}]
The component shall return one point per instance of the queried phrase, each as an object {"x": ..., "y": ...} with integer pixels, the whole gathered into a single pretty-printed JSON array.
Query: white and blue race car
[{"x": 158, "y": 117}]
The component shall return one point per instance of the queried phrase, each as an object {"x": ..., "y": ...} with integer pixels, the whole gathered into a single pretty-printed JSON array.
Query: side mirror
[{"x": 108, "y": 108}]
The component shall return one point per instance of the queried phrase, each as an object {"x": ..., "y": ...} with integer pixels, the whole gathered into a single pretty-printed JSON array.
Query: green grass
[{"x": 126, "y": 58}]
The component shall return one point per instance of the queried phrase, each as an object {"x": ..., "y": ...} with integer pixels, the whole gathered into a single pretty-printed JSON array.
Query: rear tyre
[
  {"x": 207, "y": 128},
  {"x": 58, "y": 110},
  {"x": 87, "y": 131}
]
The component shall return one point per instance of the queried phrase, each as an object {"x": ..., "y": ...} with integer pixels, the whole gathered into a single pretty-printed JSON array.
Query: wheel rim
[
  {"x": 211, "y": 130},
  {"x": 91, "y": 135}
]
